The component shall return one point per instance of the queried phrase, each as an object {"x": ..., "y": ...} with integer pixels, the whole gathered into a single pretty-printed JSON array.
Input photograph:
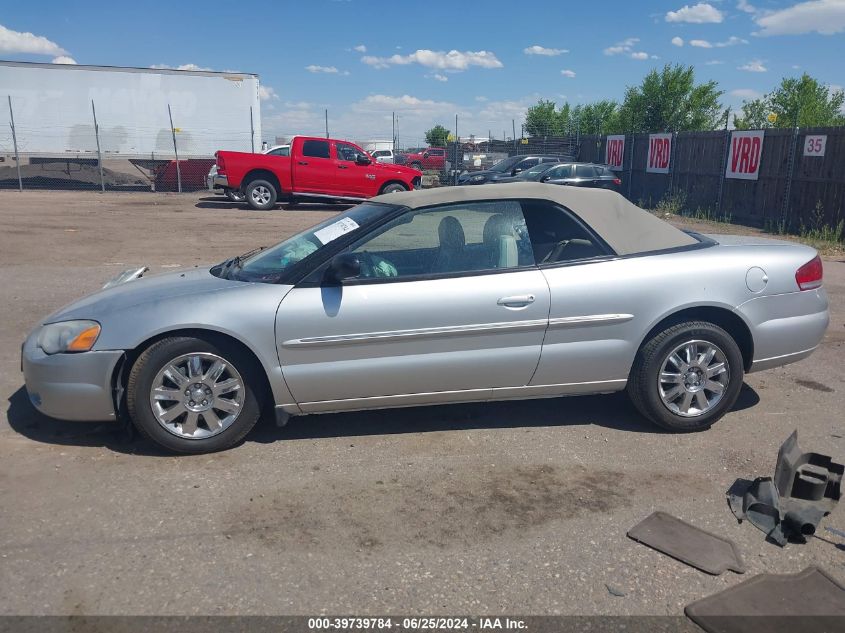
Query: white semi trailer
[{"x": 52, "y": 108}]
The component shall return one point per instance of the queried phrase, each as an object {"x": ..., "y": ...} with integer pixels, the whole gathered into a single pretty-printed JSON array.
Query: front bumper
[{"x": 70, "y": 386}]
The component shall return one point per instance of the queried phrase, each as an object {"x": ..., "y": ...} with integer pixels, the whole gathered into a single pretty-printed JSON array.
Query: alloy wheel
[{"x": 693, "y": 378}]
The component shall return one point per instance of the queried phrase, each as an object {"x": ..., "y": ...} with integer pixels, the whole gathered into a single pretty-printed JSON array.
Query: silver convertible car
[{"x": 457, "y": 294}]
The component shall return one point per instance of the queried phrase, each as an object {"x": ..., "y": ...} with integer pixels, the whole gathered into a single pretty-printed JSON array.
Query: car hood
[
  {"x": 145, "y": 290},
  {"x": 395, "y": 170}
]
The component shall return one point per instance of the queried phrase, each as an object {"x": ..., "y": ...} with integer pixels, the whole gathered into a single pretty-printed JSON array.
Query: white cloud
[
  {"x": 817, "y": 16},
  {"x": 678, "y": 41},
  {"x": 567, "y": 73},
  {"x": 731, "y": 41},
  {"x": 453, "y": 60},
  {"x": 64, "y": 59},
  {"x": 743, "y": 5},
  {"x": 481, "y": 99},
  {"x": 314, "y": 68},
  {"x": 745, "y": 93},
  {"x": 179, "y": 67},
  {"x": 639, "y": 55},
  {"x": 542, "y": 50},
  {"x": 625, "y": 46},
  {"x": 360, "y": 48},
  {"x": 439, "y": 77},
  {"x": 754, "y": 66},
  {"x": 700, "y": 44},
  {"x": 25, "y": 42},
  {"x": 266, "y": 93},
  {"x": 714, "y": 62},
  {"x": 700, "y": 13}
]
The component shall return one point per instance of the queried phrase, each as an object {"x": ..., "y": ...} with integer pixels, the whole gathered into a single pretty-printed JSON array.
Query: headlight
[
  {"x": 68, "y": 336},
  {"x": 477, "y": 178}
]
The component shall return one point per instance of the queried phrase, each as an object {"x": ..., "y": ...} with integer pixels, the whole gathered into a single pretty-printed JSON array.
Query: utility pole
[
  {"x": 393, "y": 123},
  {"x": 15, "y": 142},
  {"x": 175, "y": 151},
  {"x": 99, "y": 155},
  {"x": 457, "y": 143},
  {"x": 327, "y": 123}
]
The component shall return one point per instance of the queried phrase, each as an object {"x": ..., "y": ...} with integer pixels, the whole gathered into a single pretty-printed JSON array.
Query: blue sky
[{"x": 362, "y": 59}]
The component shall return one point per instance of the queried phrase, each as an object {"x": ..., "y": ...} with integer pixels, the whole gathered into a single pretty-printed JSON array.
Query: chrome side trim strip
[
  {"x": 396, "y": 335},
  {"x": 590, "y": 319}
]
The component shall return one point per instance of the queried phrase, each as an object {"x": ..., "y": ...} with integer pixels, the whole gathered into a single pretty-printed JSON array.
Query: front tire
[
  {"x": 261, "y": 195},
  {"x": 687, "y": 377},
  {"x": 394, "y": 187},
  {"x": 191, "y": 396}
]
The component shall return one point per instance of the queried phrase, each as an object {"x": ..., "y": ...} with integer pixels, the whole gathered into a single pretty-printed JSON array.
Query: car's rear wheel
[
  {"x": 234, "y": 195},
  {"x": 191, "y": 396},
  {"x": 261, "y": 195},
  {"x": 394, "y": 187},
  {"x": 687, "y": 377}
]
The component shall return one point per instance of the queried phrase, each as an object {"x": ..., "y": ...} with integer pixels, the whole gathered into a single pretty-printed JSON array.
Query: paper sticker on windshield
[{"x": 334, "y": 231}]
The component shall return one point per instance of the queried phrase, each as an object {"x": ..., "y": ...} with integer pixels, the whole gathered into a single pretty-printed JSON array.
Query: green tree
[
  {"x": 671, "y": 100},
  {"x": 802, "y": 102},
  {"x": 600, "y": 117},
  {"x": 437, "y": 136},
  {"x": 542, "y": 119}
]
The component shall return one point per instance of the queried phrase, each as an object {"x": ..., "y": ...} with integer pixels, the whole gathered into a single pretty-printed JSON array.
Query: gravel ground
[{"x": 516, "y": 507}]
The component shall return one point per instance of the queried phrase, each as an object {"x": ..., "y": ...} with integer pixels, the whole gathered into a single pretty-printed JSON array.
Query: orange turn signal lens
[{"x": 85, "y": 339}]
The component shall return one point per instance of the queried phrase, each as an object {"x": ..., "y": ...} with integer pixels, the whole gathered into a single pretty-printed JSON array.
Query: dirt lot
[{"x": 518, "y": 507}]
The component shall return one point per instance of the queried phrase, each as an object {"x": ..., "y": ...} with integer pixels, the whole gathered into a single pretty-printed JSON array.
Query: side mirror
[
  {"x": 426, "y": 155},
  {"x": 516, "y": 170},
  {"x": 343, "y": 266},
  {"x": 545, "y": 179},
  {"x": 361, "y": 159}
]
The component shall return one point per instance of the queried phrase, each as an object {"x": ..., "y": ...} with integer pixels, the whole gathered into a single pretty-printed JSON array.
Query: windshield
[
  {"x": 506, "y": 164},
  {"x": 268, "y": 264},
  {"x": 535, "y": 172}
]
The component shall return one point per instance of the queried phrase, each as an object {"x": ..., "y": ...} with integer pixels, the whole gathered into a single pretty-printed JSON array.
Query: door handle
[
  {"x": 516, "y": 301},
  {"x": 302, "y": 162},
  {"x": 342, "y": 167}
]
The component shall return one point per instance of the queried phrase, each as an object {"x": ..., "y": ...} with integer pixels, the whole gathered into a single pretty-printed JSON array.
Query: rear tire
[
  {"x": 261, "y": 195},
  {"x": 686, "y": 377},
  {"x": 394, "y": 187},
  {"x": 209, "y": 404}
]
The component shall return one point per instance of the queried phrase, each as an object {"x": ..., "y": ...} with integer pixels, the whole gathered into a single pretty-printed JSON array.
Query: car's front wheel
[
  {"x": 261, "y": 195},
  {"x": 687, "y": 377},
  {"x": 394, "y": 187},
  {"x": 191, "y": 396}
]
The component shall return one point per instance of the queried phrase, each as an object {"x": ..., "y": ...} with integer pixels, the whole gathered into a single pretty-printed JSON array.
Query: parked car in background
[
  {"x": 316, "y": 168},
  {"x": 430, "y": 297},
  {"x": 505, "y": 168},
  {"x": 572, "y": 174},
  {"x": 383, "y": 156},
  {"x": 432, "y": 158},
  {"x": 233, "y": 194}
]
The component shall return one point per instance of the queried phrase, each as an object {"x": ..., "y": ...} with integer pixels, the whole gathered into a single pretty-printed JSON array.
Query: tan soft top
[{"x": 623, "y": 225}]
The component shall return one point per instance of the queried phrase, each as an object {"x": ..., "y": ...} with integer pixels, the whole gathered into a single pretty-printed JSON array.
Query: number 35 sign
[{"x": 814, "y": 145}]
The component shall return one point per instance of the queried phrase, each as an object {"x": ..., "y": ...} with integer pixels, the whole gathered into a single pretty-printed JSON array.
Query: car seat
[
  {"x": 500, "y": 243},
  {"x": 450, "y": 254}
]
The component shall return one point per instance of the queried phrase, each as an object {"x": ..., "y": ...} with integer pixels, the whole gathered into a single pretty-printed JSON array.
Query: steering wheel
[{"x": 373, "y": 265}]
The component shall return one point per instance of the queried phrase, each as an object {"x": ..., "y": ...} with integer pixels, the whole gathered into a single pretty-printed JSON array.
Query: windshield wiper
[{"x": 234, "y": 263}]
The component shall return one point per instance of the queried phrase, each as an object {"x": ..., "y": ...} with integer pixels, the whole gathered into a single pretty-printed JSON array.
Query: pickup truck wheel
[
  {"x": 417, "y": 166},
  {"x": 261, "y": 195},
  {"x": 234, "y": 195},
  {"x": 394, "y": 187}
]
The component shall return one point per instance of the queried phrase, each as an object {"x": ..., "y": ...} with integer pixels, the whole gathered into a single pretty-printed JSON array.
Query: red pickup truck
[
  {"x": 319, "y": 168},
  {"x": 431, "y": 158}
]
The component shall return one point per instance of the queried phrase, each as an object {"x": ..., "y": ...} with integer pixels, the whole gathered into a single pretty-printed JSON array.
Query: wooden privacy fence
[{"x": 792, "y": 188}]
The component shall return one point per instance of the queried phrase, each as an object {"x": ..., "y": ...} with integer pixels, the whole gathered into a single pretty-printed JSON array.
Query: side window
[
  {"x": 315, "y": 149},
  {"x": 380, "y": 153},
  {"x": 528, "y": 163},
  {"x": 450, "y": 239},
  {"x": 585, "y": 171},
  {"x": 280, "y": 151},
  {"x": 345, "y": 151},
  {"x": 558, "y": 173},
  {"x": 556, "y": 236},
  {"x": 437, "y": 152}
]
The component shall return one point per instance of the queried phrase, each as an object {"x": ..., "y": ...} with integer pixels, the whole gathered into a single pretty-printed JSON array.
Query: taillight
[
  {"x": 617, "y": 181},
  {"x": 809, "y": 276},
  {"x": 221, "y": 165}
]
